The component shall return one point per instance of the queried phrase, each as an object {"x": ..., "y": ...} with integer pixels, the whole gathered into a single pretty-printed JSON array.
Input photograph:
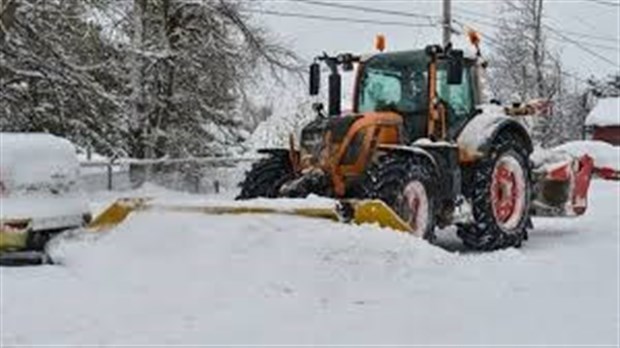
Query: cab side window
[{"x": 458, "y": 97}]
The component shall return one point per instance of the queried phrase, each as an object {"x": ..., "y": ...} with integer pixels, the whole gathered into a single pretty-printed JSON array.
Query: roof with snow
[{"x": 605, "y": 113}]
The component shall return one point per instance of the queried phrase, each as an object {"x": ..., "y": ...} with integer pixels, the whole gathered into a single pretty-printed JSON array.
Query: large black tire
[
  {"x": 398, "y": 180},
  {"x": 266, "y": 177},
  {"x": 496, "y": 227}
]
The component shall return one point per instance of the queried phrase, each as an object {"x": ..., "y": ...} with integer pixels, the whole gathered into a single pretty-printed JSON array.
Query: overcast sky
[{"x": 310, "y": 37}]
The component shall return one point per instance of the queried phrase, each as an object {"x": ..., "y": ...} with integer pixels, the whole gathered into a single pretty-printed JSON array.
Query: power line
[
  {"x": 492, "y": 41},
  {"x": 559, "y": 34},
  {"x": 366, "y": 9},
  {"x": 431, "y": 17},
  {"x": 576, "y": 33},
  {"x": 588, "y": 36},
  {"x": 579, "y": 44},
  {"x": 586, "y": 49},
  {"x": 607, "y": 3},
  {"x": 576, "y": 77},
  {"x": 495, "y": 43},
  {"x": 337, "y": 19}
]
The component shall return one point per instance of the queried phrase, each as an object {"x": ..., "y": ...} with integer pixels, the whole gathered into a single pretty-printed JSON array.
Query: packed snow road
[{"x": 193, "y": 279}]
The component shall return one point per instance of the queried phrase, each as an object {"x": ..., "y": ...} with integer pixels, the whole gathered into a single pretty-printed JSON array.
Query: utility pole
[
  {"x": 538, "y": 49},
  {"x": 541, "y": 125},
  {"x": 446, "y": 22}
]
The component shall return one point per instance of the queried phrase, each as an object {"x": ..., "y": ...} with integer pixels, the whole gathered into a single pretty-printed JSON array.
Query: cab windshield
[{"x": 399, "y": 82}]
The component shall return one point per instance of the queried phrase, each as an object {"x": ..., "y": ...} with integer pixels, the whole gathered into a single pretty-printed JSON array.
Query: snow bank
[{"x": 605, "y": 113}]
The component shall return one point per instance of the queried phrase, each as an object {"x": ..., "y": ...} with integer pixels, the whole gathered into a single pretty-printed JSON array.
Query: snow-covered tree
[
  {"x": 192, "y": 62},
  {"x": 522, "y": 67},
  {"x": 606, "y": 87},
  {"x": 145, "y": 78},
  {"x": 57, "y": 74}
]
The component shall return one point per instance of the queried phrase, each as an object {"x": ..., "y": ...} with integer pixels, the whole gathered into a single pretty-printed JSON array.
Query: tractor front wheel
[
  {"x": 405, "y": 185},
  {"x": 266, "y": 177}
]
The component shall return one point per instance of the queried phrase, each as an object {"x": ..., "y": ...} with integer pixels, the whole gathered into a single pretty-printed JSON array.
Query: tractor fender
[
  {"x": 411, "y": 151},
  {"x": 478, "y": 135}
]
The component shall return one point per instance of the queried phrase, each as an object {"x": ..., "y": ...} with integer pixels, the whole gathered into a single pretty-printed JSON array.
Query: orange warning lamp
[
  {"x": 474, "y": 38},
  {"x": 380, "y": 42}
]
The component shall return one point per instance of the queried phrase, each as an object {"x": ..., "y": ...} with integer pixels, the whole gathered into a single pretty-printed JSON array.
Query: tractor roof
[
  {"x": 410, "y": 57},
  {"x": 403, "y": 57}
]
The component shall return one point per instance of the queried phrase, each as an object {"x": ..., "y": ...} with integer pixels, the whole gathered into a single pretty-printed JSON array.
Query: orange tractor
[{"x": 422, "y": 139}]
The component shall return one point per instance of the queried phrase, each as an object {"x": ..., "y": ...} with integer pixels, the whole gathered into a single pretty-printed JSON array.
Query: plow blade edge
[{"x": 356, "y": 211}]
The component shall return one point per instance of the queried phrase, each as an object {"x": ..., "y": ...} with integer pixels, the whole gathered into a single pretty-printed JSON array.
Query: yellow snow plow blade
[
  {"x": 13, "y": 234},
  {"x": 116, "y": 213},
  {"x": 357, "y": 211},
  {"x": 376, "y": 211}
]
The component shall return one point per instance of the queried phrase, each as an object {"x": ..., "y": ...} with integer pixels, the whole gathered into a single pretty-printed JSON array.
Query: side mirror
[
  {"x": 315, "y": 78},
  {"x": 455, "y": 67}
]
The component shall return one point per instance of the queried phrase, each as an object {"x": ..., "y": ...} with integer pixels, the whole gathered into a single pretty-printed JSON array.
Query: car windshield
[{"x": 398, "y": 82}]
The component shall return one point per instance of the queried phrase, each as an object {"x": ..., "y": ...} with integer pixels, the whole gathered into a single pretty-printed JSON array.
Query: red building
[{"x": 604, "y": 121}]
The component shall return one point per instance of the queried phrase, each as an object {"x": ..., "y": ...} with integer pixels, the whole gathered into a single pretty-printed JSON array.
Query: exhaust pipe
[{"x": 335, "y": 94}]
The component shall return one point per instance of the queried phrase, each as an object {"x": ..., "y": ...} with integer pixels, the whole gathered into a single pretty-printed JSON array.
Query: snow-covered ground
[{"x": 174, "y": 278}]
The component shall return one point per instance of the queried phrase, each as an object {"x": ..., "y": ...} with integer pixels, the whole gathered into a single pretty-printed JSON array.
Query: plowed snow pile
[{"x": 163, "y": 278}]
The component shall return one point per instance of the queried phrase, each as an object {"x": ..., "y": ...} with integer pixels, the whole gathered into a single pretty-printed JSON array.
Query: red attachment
[
  {"x": 582, "y": 183},
  {"x": 561, "y": 173},
  {"x": 607, "y": 173},
  {"x": 504, "y": 193}
]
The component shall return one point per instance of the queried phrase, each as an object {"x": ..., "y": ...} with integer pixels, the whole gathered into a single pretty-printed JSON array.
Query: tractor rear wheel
[
  {"x": 266, "y": 177},
  {"x": 500, "y": 194},
  {"x": 406, "y": 185}
]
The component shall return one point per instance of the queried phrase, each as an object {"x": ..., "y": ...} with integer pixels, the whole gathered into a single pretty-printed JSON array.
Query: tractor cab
[{"x": 399, "y": 82}]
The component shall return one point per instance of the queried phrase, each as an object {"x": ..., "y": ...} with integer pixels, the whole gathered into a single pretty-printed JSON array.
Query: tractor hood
[
  {"x": 320, "y": 133},
  {"x": 333, "y": 142}
]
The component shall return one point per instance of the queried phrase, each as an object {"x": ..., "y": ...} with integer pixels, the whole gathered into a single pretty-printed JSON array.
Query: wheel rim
[
  {"x": 416, "y": 207},
  {"x": 508, "y": 192}
]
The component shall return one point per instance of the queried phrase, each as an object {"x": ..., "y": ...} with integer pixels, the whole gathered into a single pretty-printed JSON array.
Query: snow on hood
[
  {"x": 39, "y": 173},
  {"x": 605, "y": 113},
  {"x": 35, "y": 158}
]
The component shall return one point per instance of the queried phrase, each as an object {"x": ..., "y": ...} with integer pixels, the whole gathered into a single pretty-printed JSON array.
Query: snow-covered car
[{"x": 39, "y": 193}]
